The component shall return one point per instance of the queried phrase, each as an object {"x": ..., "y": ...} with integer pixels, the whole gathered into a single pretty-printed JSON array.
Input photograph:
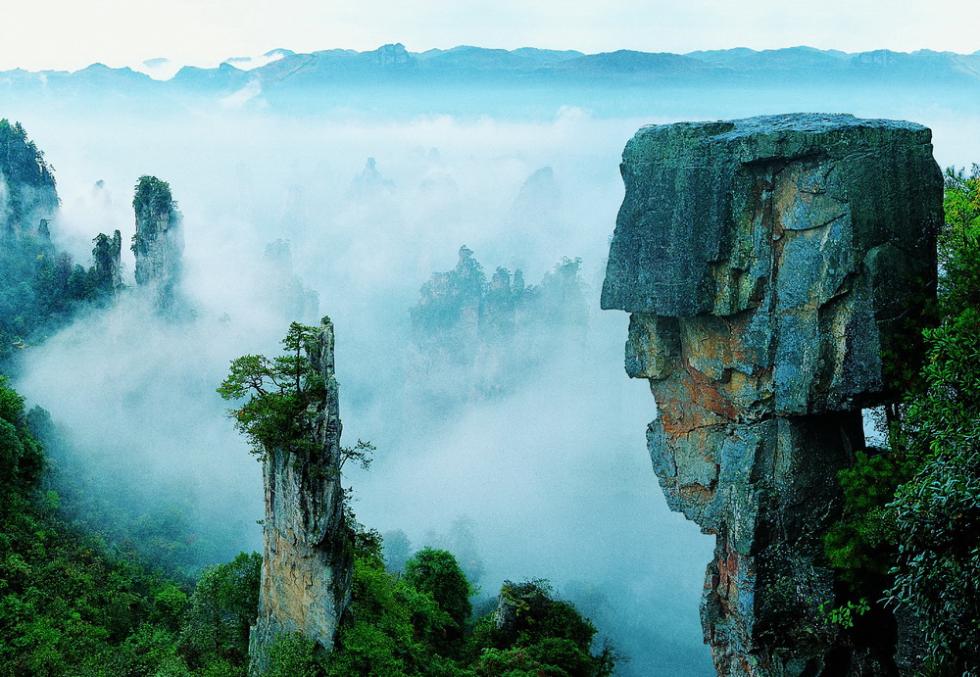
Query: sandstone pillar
[
  {"x": 774, "y": 268},
  {"x": 307, "y": 558}
]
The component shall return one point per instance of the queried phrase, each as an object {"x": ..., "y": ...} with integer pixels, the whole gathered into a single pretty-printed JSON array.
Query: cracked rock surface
[
  {"x": 307, "y": 562},
  {"x": 773, "y": 267}
]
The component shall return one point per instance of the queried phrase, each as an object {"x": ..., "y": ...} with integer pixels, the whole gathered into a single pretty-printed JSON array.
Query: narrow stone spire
[
  {"x": 307, "y": 558},
  {"x": 159, "y": 241},
  {"x": 107, "y": 254}
]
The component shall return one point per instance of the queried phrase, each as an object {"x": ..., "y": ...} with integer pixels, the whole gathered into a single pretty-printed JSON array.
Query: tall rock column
[
  {"x": 158, "y": 243},
  {"x": 307, "y": 558},
  {"x": 768, "y": 265},
  {"x": 107, "y": 257}
]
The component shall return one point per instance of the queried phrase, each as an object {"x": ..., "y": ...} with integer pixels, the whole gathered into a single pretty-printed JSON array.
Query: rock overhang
[
  {"x": 770, "y": 267},
  {"x": 818, "y": 231}
]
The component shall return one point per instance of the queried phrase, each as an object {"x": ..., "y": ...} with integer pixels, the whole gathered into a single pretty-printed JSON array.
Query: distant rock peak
[
  {"x": 158, "y": 243},
  {"x": 107, "y": 254}
]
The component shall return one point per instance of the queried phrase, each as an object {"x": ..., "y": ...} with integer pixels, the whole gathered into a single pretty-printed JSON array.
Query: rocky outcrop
[
  {"x": 158, "y": 243},
  {"x": 283, "y": 290},
  {"x": 28, "y": 196},
  {"x": 307, "y": 558},
  {"x": 773, "y": 268},
  {"x": 370, "y": 183},
  {"x": 538, "y": 202},
  {"x": 447, "y": 318},
  {"x": 107, "y": 254},
  {"x": 478, "y": 338}
]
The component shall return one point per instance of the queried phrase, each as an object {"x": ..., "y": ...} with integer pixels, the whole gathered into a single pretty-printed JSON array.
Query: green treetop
[{"x": 281, "y": 393}]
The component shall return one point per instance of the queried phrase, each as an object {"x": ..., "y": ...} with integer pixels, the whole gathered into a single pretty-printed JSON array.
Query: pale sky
[{"x": 71, "y": 34}]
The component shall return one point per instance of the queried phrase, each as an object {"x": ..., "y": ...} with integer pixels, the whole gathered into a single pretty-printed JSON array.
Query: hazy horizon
[
  {"x": 164, "y": 67},
  {"x": 207, "y": 33},
  {"x": 551, "y": 472}
]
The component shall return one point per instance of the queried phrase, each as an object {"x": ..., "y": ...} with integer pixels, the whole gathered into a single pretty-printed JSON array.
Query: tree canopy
[
  {"x": 910, "y": 533},
  {"x": 278, "y": 394}
]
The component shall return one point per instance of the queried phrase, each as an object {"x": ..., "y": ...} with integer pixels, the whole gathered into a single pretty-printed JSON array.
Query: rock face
[
  {"x": 771, "y": 266},
  {"x": 107, "y": 254},
  {"x": 28, "y": 197},
  {"x": 476, "y": 338},
  {"x": 159, "y": 242},
  {"x": 307, "y": 559}
]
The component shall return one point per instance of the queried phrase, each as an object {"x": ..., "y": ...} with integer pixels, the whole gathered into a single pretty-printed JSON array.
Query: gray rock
[
  {"x": 307, "y": 560},
  {"x": 107, "y": 257},
  {"x": 159, "y": 242},
  {"x": 773, "y": 267}
]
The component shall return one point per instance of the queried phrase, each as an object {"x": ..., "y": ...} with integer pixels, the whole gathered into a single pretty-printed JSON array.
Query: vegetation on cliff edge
[{"x": 910, "y": 535}]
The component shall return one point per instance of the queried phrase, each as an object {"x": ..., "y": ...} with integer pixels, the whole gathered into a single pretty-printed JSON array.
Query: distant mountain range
[{"x": 392, "y": 64}]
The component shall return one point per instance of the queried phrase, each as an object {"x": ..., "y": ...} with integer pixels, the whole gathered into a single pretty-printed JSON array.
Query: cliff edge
[{"x": 774, "y": 269}]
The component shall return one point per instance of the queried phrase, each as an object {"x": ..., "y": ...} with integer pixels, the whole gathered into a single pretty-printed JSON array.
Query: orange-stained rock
[{"x": 764, "y": 263}]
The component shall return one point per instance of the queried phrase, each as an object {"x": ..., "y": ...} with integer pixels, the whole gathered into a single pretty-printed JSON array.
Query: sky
[{"x": 71, "y": 34}]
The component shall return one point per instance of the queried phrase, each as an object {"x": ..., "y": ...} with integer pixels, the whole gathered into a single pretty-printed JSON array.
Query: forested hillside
[
  {"x": 40, "y": 286},
  {"x": 91, "y": 585}
]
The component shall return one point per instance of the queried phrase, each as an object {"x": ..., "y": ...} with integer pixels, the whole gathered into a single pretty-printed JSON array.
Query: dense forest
[
  {"x": 73, "y": 604},
  {"x": 40, "y": 286}
]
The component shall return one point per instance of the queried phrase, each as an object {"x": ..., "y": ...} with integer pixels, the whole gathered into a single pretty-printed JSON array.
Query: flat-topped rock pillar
[{"x": 774, "y": 269}]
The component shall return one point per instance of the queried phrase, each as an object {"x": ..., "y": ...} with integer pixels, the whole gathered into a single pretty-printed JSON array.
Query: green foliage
[
  {"x": 40, "y": 287},
  {"x": 390, "y": 628},
  {"x": 437, "y": 573},
  {"x": 959, "y": 283},
  {"x": 71, "y": 606},
  {"x": 535, "y": 615},
  {"x": 221, "y": 610},
  {"x": 361, "y": 453},
  {"x": 938, "y": 517},
  {"x": 531, "y": 632},
  {"x": 151, "y": 522},
  {"x": 419, "y": 624},
  {"x": 169, "y": 604},
  {"x": 845, "y": 615},
  {"x": 152, "y": 193},
  {"x": 152, "y": 200},
  {"x": 21, "y": 460},
  {"x": 21, "y": 457},
  {"x": 23, "y": 164},
  {"x": 280, "y": 393},
  {"x": 912, "y": 513},
  {"x": 861, "y": 545},
  {"x": 68, "y": 608},
  {"x": 553, "y": 657},
  {"x": 937, "y": 512},
  {"x": 293, "y": 655}
]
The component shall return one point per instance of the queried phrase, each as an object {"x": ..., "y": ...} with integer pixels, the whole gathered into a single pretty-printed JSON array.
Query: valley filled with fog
[{"x": 521, "y": 450}]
